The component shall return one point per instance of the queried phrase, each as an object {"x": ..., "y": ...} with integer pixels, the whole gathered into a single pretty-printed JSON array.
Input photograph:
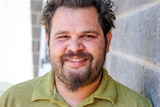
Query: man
[{"x": 78, "y": 33}]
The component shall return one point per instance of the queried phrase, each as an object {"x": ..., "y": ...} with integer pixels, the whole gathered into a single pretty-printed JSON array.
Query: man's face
[{"x": 77, "y": 46}]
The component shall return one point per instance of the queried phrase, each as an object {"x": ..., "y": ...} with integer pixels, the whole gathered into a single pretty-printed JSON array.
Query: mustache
[{"x": 83, "y": 55}]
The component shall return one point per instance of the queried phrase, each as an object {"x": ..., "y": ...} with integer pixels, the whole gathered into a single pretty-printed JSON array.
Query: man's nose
[{"x": 75, "y": 45}]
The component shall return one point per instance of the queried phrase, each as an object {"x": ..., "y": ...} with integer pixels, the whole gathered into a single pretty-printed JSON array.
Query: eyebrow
[
  {"x": 90, "y": 31},
  {"x": 61, "y": 32},
  {"x": 83, "y": 32}
]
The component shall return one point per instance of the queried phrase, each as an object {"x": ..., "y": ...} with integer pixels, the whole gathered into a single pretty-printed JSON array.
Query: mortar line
[
  {"x": 139, "y": 61},
  {"x": 137, "y": 9}
]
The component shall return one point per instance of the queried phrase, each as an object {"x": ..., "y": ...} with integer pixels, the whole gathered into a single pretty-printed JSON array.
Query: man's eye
[
  {"x": 88, "y": 36},
  {"x": 62, "y": 37}
]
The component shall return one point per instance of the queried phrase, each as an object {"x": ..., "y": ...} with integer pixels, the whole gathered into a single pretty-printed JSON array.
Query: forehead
[
  {"x": 81, "y": 13},
  {"x": 61, "y": 8},
  {"x": 77, "y": 18},
  {"x": 72, "y": 9}
]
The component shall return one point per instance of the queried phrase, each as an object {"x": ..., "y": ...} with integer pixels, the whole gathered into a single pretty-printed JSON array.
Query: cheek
[
  {"x": 96, "y": 47},
  {"x": 56, "y": 48}
]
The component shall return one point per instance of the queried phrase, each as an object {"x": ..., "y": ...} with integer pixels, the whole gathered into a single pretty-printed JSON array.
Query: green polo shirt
[{"x": 40, "y": 92}]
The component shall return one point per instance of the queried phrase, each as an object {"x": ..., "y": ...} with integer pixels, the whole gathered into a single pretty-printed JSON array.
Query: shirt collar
[
  {"x": 106, "y": 89},
  {"x": 45, "y": 90}
]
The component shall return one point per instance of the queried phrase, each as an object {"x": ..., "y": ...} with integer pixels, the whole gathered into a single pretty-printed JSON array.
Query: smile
[
  {"x": 75, "y": 63},
  {"x": 76, "y": 60}
]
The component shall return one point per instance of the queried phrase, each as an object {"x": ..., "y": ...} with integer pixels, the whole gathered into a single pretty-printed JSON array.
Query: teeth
[{"x": 76, "y": 60}]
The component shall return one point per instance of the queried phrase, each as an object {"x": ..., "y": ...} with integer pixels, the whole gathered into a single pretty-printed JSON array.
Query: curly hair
[{"x": 103, "y": 7}]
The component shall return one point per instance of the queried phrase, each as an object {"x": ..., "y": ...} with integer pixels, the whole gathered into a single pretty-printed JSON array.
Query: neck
[{"x": 73, "y": 98}]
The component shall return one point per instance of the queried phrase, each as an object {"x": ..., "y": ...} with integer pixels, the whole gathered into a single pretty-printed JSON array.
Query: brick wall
[
  {"x": 134, "y": 57},
  {"x": 36, "y": 7}
]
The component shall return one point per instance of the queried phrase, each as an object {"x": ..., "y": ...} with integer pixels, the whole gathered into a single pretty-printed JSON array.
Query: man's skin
[{"x": 71, "y": 32}]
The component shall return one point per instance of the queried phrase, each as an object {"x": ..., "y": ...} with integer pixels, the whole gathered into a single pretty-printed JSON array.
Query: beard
[{"x": 74, "y": 78}]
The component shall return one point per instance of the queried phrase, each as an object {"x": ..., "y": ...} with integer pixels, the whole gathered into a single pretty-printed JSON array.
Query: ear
[
  {"x": 47, "y": 43},
  {"x": 47, "y": 39},
  {"x": 109, "y": 38}
]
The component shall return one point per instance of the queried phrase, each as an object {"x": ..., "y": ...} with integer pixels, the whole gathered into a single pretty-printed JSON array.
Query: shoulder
[
  {"x": 24, "y": 86},
  {"x": 130, "y": 97},
  {"x": 19, "y": 92}
]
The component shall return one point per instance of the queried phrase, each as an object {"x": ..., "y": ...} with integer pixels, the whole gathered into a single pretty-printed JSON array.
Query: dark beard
[
  {"x": 74, "y": 80},
  {"x": 78, "y": 80}
]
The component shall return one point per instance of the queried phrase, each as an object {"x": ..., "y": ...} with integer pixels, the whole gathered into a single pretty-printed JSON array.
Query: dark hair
[{"x": 103, "y": 7}]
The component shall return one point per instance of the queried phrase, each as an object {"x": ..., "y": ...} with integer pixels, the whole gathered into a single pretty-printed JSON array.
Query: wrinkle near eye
[
  {"x": 62, "y": 37},
  {"x": 88, "y": 37}
]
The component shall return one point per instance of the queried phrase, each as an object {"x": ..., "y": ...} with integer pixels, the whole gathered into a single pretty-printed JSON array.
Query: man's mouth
[{"x": 75, "y": 62}]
